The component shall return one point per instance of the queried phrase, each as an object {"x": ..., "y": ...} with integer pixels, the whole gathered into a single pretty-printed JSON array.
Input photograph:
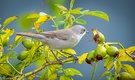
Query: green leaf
[
  {"x": 6, "y": 70},
  {"x": 128, "y": 68},
  {"x": 84, "y": 12},
  {"x": 72, "y": 72},
  {"x": 12, "y": 54},
  {"x": 82, "y": 58},
  {"x": 63, "y": 8},
  {"x": 111, "y": 77},
  {"x": 9, "y": 20},
  {"x": 108, "y": 63},
  {"x": 60, "y": 23},
  {"x": 104, "y": 73},
  {"x": 31, "y": 77},
  {"x": 9, "y": 32},
  {"x": 3, "y": 59},
  {"x": 33, "y": 15},
  {"x": 64, "y": 77},
  {"x": 80, "y": 21},
  {"x": 123, "y": 56},
  {"x": 1, "y": 50},
  {"x": 43, "y": 76},
  {"x": 69, "y": 51},
  {"x": 130, "y": 50},
  {"x": 18, "y": 39},
  {"x": 2, "y": 33},
  {"x": 99, "y": 14},
  {"x": 32, "y": 51},
  {"x": 76, "y": 11},
  {"x": 117, "y": 65}
]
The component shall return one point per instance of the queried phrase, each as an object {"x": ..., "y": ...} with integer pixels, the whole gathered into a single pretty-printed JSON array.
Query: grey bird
[{"x": 60, "y": 39}]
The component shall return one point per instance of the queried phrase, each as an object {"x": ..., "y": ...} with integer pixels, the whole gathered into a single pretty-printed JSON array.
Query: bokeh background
[{"x": 120, "y": 28}]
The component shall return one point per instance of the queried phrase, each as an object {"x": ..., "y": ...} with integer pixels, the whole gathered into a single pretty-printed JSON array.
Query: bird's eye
[{"x": 83, "y": 31}]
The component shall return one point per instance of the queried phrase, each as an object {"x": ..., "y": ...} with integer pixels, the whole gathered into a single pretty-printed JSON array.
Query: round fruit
[
  {"x": 112, "y": 51},
  {"x": 23, "y": 55},
  {"x": 125, "y": 76},
  {"x": 98, "y": 37},
  {"x": 90, "y": 57},
  {"x": 5, "y": 41},
  {"x": 28, "y": 43},
  {"x": 100, "y": 52}
]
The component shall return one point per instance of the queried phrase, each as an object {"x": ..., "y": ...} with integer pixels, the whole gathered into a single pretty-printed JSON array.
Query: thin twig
[{"x": 19, "y": 77}]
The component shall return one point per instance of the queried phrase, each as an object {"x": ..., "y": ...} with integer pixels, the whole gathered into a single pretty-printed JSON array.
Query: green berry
[
  {"x": 5, "y": 41},
  {"x": 112, "y": 51},
  {"x": 98, "y": 37},
  {"x": 125, "y": 76},
  {"x": 90, "y": 57},
  {"x": 23, "y": 55},
  {"x": 100, "y": 52},
  {"x": 28, "y": 43}
]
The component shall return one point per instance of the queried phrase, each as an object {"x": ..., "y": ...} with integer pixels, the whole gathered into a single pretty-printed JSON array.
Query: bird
[{"x": 59, "y": 39}]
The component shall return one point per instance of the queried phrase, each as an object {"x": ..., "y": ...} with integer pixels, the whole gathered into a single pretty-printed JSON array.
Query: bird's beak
[{"x": 87, "y": 31}]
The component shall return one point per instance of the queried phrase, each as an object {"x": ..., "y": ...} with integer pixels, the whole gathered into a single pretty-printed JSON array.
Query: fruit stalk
[{"x": 94, "y": 70}]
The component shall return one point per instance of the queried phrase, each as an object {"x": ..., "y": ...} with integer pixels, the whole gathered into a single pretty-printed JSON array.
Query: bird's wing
[{"x": 63, "y": 35}]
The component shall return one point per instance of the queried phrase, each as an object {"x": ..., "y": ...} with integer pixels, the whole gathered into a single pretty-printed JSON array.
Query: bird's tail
[{"x": 33, "y": 35}]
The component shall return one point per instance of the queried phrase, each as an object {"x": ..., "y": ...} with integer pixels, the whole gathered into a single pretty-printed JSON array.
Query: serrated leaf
[
  {"x": 33, "y": 15},
  {"x": 130, "y": 50},
  {"x": 82, "y": 58},
  {"x": 64, "y": 77},
  {"x": 123, "y": 56},
  {"x": 63, "y": 8},
  {"x": 104, "y": 73},
  {"x": 80, "y": 21},
  {"x": 99, "y": 14},
  {"x": 117, "y": 66},
  {"x": 130, "y": 69},
  {"x": 9, "y": 20},
  {"x": 108, "y": 63},
  {"x": 72, "y": 72}
]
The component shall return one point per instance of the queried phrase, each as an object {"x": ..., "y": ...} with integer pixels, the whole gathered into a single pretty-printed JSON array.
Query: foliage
[{"x": 40, "y": 55}]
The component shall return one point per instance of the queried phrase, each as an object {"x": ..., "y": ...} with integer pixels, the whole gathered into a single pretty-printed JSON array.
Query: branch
[{"x": 19, "y": 77}]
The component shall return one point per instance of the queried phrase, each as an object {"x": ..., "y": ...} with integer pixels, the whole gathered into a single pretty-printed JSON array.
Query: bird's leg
[
  {"x": 56, "y": 57},
  {"x": 71, "y": 55}
]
